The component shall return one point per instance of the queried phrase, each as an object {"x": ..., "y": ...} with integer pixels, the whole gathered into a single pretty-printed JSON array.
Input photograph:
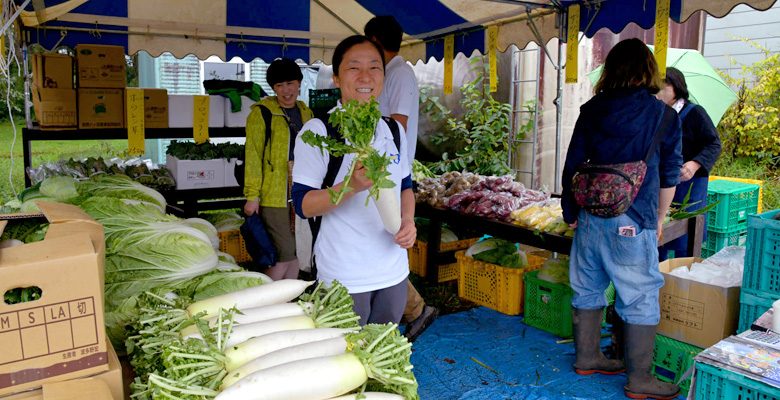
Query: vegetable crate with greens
[
  {"x": 205, "y": 165},
  {"x": 256, "y": 343},
  {"x": 548, "y": 298},
  {"x": 356, "y": 123},
  {"x": 418, "y": 254},
  {"x": 494, "y": 286}
]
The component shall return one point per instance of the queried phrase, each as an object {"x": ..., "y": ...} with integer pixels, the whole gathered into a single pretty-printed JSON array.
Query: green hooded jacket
[{"x": 265, "y": 176}]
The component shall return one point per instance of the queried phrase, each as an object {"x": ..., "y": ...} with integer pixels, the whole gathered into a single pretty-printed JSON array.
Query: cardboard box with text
[
  {"x": 55, "y": 108},
  {"x": 60, "y": 335},
  {"x": 52, "y": 71},
  {"x": 155, "y": 108},
  {"x": 101, "y": 108},
  {"x": 199, "y": 174},
  {"x": 101, "y": 66},
  {"x": 696, "y": 313}
]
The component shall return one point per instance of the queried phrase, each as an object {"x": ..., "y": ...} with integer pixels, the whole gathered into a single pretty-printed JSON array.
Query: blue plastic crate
[
  {"x": 714, "y": 383},
  {"x": 752, "y": 305},
  {"x": 762, "y": 256}
]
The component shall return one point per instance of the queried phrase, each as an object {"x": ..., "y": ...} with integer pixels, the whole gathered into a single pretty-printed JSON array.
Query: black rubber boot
[
  {"x": 642, "y": 384},
  {"x": 587, "y": 344}
]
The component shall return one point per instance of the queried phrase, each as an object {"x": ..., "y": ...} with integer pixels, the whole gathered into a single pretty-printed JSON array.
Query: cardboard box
[
  {"x": 101, "y": 108},
  {"x": 156, "y": 108},
  {"x": 112, "y": 380},
  {"x": 60, "y": 336},
  {"x": 52, "y": 71},
  {"x": 101, "y": 66},
  {"x": 180, "y": 111},
  {"x": 198, "y": 174},
  {"x": 238, "y": 119},
  {"x": 55, "y": 108},
  {"x": 693, "y": 312}
]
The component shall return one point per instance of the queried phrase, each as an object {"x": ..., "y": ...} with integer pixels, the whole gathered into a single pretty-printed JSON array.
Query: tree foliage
[
  {"x": 483, "y": 134},
  {"x": 751, "y": 126}
]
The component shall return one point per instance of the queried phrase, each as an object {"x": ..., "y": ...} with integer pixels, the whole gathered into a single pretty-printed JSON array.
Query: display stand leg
[{"x": 695, "y": 235}]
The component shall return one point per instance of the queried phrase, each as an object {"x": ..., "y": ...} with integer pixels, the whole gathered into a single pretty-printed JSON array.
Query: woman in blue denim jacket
[{"x": 617, "y": 126}]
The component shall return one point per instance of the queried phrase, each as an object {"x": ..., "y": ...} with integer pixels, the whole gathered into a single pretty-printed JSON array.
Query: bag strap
[
  {"x": 393, "y": 124},
  {"x": 660, "y": 132},
  {"x": 267, "y": 119},
  {"x": 686, "y": 109}
]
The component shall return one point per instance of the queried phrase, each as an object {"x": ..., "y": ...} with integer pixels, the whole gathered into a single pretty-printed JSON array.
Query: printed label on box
[
  {"x": 682, "y": 311},
  {"x": 48, "y": 329},
  {"x": 201, "y": 175}
]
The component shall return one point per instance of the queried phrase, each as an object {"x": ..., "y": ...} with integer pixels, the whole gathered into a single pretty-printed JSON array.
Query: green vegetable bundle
[
  {"x": 498, "y": 251},
  {"x": 188, "y": 150},
  {"x": 357, "y": 123}
]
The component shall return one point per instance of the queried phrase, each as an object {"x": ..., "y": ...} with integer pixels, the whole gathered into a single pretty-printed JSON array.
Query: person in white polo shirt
[
  {"x": 352, "y": 245},
  {"x": 400, "y": 100}
]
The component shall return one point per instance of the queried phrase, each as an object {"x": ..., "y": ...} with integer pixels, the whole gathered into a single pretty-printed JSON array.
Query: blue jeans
[{"x": 599, "y": 255}]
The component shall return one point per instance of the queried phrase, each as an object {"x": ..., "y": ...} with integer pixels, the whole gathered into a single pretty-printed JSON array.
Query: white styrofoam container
[
  {"x": 200, "y": 174},
  {"x": 180, "y": 111},
  {"x": 238, "y": 119}
]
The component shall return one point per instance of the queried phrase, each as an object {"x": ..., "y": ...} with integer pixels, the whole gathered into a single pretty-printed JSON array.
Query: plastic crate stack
[
  {"x": 761, "y": 276},
  {"x": 727, "y": 221}
]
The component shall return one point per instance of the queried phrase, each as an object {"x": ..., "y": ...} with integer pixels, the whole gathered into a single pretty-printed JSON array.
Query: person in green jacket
[{"x": 269, "y": 161}]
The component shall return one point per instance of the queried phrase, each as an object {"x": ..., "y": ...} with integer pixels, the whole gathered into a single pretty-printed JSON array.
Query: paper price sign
[
  {"x": 200, "y": 119},
  {"x": 572, "y": 43},
  {"x": 449, "y": 54},
  {"x": 661, "y": 34},
  {"x": 136, "y": 131},
  {"x": 492, "y": 44}
]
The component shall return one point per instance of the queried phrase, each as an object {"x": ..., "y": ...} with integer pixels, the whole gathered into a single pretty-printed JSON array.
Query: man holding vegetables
[
  {"x": 271, "y": 129},
  {"x": 400, "y": 100},
  {"x": 355, "y": 244}
]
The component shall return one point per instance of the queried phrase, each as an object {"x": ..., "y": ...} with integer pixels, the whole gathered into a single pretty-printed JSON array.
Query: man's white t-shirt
[
  {"x": 353, "y": 245},
  {"x": 400, "y": 95}
]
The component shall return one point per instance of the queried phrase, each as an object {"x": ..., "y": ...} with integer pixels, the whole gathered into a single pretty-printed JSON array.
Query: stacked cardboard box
[
  {"x": 53, "y": 93},
  {"x": 101, "y": 84}
]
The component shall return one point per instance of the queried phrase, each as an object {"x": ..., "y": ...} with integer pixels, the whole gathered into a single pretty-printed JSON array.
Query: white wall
[{"x": 722, "y": 37}]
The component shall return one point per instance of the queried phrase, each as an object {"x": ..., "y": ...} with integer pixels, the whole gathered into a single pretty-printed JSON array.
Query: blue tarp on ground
[{"x": 527, "y": 362}]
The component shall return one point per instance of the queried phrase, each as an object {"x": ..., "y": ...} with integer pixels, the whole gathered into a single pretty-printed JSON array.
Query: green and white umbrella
[{"x": 705, "y": 86}]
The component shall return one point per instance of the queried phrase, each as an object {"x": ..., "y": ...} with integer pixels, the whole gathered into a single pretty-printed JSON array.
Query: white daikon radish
[
  {"x": 257, "y": 314},
  {"x": 276, "y": 292},
  {"x": 242, "y": 333},
  {"x": 320, "y": 348},
  {"x": 241, "y": 354},
  {"x": 389, "y": 210}
]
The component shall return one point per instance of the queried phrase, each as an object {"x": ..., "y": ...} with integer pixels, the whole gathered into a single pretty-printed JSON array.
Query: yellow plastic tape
[
  {"x": 449, "y": 55},
  {"x": 572, "y": 43},
  {"x": 200, "y": 119},
  {"x": 492, "y": 44},
  {"x": 136, "y": 131},
  {"x": 661, "y": 34}
]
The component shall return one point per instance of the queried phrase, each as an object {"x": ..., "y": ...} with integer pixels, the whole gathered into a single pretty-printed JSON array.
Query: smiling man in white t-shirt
[{"x": 400, "y": 100}]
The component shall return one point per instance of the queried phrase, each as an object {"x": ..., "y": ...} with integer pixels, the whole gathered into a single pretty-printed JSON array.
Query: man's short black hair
[
  {"x": 283, "y": 70},
  {"x": 386, "y": 30}
]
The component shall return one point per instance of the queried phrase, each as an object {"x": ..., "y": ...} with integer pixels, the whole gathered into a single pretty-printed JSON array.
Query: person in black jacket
[{"x": 700, "y": 149}]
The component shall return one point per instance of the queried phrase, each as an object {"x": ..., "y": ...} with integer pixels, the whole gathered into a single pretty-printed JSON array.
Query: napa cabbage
[
  {"x": 120, "y": 186},
  {"x": 62, "y": 188},
  {"x": 225, "y": 221}
]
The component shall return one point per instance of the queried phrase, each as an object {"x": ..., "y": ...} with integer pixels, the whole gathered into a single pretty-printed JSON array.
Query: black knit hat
[{"x": 283, "y": 70}]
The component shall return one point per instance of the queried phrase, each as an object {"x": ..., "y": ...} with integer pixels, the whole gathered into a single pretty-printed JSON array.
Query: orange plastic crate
[
  {"x": 418, "y": 256},
  {"x": 231, "y": 242},
  {"x": 494, "y": 286}
]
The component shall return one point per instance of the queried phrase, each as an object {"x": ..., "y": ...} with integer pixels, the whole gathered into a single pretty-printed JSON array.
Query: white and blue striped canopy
[{"x": 310, "y": 29}]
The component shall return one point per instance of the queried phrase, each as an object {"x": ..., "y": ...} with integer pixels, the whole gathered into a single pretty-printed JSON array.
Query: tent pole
[{"x": 558, "y": 117}]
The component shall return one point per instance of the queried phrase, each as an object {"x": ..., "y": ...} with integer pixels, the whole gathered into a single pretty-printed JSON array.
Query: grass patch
[
  {"x": 752, "y": 168},
  {"x": 43, "y": 152}
]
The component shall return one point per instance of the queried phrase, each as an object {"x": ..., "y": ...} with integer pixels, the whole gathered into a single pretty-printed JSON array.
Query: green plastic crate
[
  {"x": 671, "y": 359},
  {"x": 548, "y": 305},
  {"x": 716, "y": 241},
  {"x": 715, "y": 383},
  {"x": 753, "y": 304},
  {"x": 737, "y": 201},
  {"x": 762, "y": 256}
]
